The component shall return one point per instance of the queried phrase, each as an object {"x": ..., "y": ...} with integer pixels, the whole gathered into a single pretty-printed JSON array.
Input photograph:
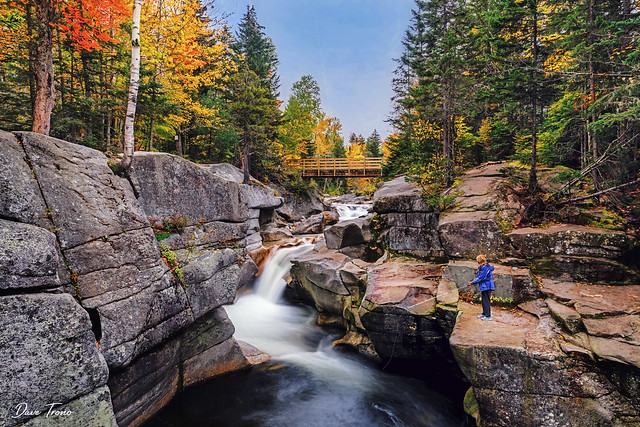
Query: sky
[{"x": 347, "y": 46}]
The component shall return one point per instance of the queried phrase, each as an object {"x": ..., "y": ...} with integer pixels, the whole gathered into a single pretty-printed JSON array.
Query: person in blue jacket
[{"x": 484, "y": 280}]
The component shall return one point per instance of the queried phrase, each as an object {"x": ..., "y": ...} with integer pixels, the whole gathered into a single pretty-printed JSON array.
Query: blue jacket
[{"x": 484, "y": 277}]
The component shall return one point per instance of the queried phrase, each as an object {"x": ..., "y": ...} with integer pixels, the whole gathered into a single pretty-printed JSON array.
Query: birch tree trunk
[
  {"x": 129, "y": 144},
  {"x": 45, "y": 91}
]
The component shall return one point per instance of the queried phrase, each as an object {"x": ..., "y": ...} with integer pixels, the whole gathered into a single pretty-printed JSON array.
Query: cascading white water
[
  {"x": 351, "y": 210},
  {"x": 318, "y": 385}
]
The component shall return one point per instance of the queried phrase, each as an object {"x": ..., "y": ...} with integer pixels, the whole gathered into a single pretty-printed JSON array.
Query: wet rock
[
  {"x": 271, "y": 234},
  {"x": 48, "y": 354},
  {"x": 316, "y": 223},
  {"x": 170, "y": 186},
  {"x": 253, "y": 355},
  {"x": 20, "y": 197},
  {"x": 29, "y": 257},
  {"x": 348, "y": 233}
]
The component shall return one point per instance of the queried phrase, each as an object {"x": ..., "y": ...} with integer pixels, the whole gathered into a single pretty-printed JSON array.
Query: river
[{"x": 307, "y": 382}]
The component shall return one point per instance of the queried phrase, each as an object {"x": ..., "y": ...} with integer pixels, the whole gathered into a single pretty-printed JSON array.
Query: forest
[{"x": 541, "y": 83}]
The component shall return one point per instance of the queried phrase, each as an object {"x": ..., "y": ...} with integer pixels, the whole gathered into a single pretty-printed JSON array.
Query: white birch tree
[{"x": 134, "y": 83}]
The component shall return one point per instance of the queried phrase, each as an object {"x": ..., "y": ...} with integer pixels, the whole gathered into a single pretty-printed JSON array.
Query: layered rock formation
[
  {"x": 564, "y": 351},
  {"x": 94, "y": 299}
]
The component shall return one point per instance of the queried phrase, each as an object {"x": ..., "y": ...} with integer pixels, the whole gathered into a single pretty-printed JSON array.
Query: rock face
[
  {"x": 522, "y": 374},
  {"x": 412, "y": 223},
  {"x": 70, "y": 225},
  {"x": 48, "y": 354}
]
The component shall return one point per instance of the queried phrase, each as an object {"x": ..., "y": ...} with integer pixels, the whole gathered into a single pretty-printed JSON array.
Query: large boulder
[
  {"x": 585, "y": 269},
  {"x": 170, "y": 186},
  {"x": 330, "y": 280},
  {"x": 348, "y": 233},
  {"x": 86, "y": 201},
  {"x": 521, "y": 376},
  {"x": 296, "y": 207},
  {"x": 399, "y": 306},
  {"x": 48, "y": 354},
  {"x": 20, "y": 196},
  {"x": 411, "y": 223},
  {"x": 510, "y": 282},
  {"x": 29, "y": 257},
  {"x": 468, "y": 234}
]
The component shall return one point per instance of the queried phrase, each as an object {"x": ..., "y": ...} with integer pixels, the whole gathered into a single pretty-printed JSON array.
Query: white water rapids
[
  {"x": 316, "y": 384},
  {"x": 351, "y": 210}
]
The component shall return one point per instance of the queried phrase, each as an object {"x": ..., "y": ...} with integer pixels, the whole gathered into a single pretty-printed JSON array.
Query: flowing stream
[
  {"x": 351, "y": 210},
  {"x": 307, "y": 382}
]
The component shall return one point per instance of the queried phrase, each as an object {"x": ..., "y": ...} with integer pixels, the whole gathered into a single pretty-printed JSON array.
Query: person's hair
[{"x": 481, "y": 259}]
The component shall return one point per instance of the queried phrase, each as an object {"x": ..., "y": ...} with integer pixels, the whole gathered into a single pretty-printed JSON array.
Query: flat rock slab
[
  {"x": 254, "y": 356},
  {"x": 594, "y": 300},
  {"x": 406, "y": 284},
  {"x": 568, "y": 239},
  {"x": 508, "y": 329}
]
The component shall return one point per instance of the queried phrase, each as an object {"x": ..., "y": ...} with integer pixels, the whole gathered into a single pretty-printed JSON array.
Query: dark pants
[{"x": 486, "y": 303}]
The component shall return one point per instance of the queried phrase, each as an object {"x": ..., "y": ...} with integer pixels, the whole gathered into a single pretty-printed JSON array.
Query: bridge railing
[{"x": 340, "y": 167}]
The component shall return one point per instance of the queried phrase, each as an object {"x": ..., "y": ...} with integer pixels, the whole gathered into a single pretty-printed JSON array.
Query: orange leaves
[{"x": 89, "y": 24}]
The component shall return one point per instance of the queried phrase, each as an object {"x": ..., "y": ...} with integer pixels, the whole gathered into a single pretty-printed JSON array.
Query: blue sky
[{"x": 348, "y": 46}]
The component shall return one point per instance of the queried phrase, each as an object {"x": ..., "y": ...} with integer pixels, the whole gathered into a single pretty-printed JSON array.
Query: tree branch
[{"x": 599, "y": 193}]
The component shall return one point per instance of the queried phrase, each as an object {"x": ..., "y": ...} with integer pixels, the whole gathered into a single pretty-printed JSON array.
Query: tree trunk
[
  {"x": 134, "y": 82},
  {"x": 246, "y": 161},
  {"x": 153, "y": 122},
  {"x": 45, "y": 90},
  {"x": 32, "y": 56},
  {"x": 533, "y": 177}
]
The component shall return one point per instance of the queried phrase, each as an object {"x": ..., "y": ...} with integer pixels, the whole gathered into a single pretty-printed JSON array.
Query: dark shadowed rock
[
  {"x": 48, "y": 354},
  {"x": 316, "y": 223},
  {"x": 28, "y": 256},
  {"x": 20, "y": 197},
  {"x": 85, "y": 198},
  {"x": 348, "y": 233},
  {"x": 169, "y": 185},
  {"x": 299, "y": 206},
  {"x": 584, "y": 269}
]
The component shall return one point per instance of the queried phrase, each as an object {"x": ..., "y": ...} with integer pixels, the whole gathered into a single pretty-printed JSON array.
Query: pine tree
[
  {"x": 373, "y": 145},
  {"x": 300, "y": 119}
]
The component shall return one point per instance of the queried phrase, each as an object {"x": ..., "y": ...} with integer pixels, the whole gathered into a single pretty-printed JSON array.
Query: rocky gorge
[
  {"x": 109, "y": 315},
  {"x": 563, "y": 349}
]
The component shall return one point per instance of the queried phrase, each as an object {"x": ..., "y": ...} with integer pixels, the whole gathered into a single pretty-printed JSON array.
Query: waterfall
[
  {"x": 272, "y": 281},
  {"x": 351, "y": 210}
]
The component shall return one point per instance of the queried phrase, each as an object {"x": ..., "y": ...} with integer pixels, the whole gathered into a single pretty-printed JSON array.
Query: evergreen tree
[
  {"x": 373, "y": 145},
  {"x": 258, "y": 50}
]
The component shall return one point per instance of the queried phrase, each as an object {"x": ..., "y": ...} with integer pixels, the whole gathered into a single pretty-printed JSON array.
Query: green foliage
[
  {"x": 169, "y": 258},
  {"x": 175, "y": 224},
  {"x": 373, "y": 145}
]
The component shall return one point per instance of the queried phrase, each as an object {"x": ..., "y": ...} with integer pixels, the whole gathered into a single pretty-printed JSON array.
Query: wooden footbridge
[{"x": 341, "y": 167}]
